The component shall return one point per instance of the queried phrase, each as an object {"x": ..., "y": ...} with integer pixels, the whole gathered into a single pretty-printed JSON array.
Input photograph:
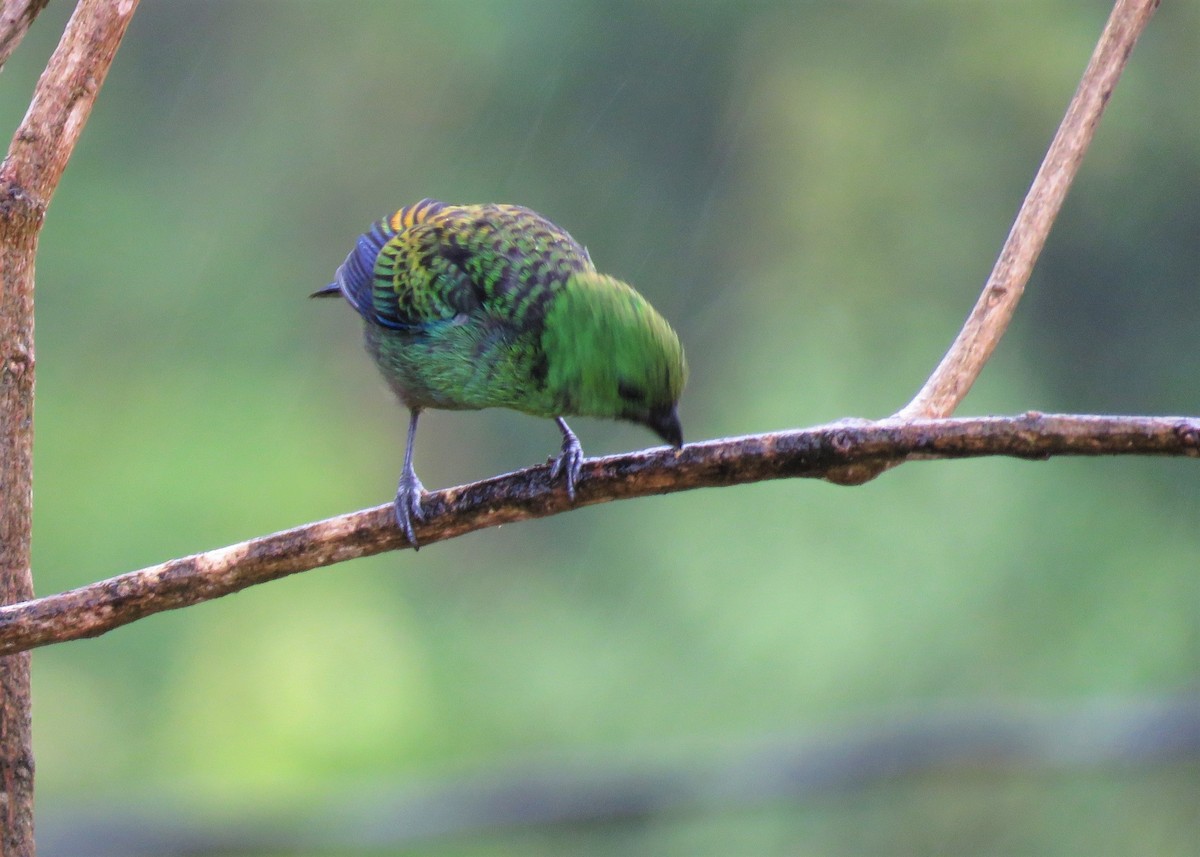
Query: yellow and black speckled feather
[{"x": 431, "y": 263}]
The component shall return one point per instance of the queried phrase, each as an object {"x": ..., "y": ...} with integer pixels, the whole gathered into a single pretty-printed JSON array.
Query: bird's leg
[
  {"x": 570, "y": 462},
  {"x": 408, "y": 493}
]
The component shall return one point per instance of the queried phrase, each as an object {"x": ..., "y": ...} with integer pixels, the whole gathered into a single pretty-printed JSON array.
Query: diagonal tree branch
[
  {"x": 16, "y": 17},
  {"x": 971, "y": 349},
  {"x": 99, "y": 607},
  {"x": 30, "y": 173},
  {"x": 836, "y": 453}
]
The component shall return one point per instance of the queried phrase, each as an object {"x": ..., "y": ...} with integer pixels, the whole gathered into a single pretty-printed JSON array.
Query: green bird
[{"x": 484, "y": 306}]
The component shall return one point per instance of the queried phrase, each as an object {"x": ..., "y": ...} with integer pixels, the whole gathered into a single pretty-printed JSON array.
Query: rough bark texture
[
  {"x": 35, "y": 163},
  {"x": 99, "y": 607},
  {"x": 19, "y": 223}
]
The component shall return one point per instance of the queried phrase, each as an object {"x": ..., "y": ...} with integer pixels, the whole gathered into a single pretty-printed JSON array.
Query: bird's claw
[
  {"x": 408, "y": 506},
  {"x": 569, "y": 463}
]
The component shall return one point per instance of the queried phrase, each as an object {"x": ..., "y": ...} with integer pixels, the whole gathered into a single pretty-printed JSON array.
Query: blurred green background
[{"x": 813, "y": 194}]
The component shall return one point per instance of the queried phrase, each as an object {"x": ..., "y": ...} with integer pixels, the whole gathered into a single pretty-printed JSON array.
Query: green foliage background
[{"x": 813, "y": 193}]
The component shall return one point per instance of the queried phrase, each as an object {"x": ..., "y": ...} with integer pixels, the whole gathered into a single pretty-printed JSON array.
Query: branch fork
[{"x": 848, "y": 453}]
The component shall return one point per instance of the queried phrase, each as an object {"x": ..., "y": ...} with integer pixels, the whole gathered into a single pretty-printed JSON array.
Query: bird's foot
[
  {"x": 408, "y": 505},
  {"x": 569, "y": 462}
]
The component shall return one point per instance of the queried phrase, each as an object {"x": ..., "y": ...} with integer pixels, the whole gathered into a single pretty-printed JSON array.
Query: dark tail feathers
[{"x": 354, "y": 278}]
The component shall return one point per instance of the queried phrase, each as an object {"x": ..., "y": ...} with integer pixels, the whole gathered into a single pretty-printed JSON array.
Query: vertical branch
[
  {"x": 954, "y": 376},
  {"x": 18, "y": 240},
  {"x": 29, "y": 175}
]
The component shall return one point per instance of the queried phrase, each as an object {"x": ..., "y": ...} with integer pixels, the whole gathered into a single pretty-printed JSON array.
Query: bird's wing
[
  {"x": 432, "y": 263},
  {"x": 515, "y": 258},
  {"x": 419, "y": 280}
]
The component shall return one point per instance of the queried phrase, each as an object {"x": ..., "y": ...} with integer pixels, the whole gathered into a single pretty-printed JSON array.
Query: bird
[{"x": 477, "y": 306}]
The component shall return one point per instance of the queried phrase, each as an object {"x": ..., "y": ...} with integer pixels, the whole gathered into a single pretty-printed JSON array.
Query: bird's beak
[
  {"x": 332, "y": 290},
  {"x": 666, "y": 425}
]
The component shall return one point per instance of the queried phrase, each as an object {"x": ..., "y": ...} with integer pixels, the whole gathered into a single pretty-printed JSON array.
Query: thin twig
[
  {"x": 63, "y": 101},
  {"x": 29, "y": 175},
  {"x": 99, "y": 607},
  {"x": 954, "y": 376},
  {"x": 16, "y": 17}
]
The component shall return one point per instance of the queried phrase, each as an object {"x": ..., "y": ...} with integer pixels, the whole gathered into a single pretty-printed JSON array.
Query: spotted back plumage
[
  {"x": 482, "y": 306},
  {"x": 432, "y": 263}
]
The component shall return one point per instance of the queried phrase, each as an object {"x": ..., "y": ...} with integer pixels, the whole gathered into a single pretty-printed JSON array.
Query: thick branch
[
  {"x": 35, "y": 163},
  {"x": 954, "y": 376},
  {"x": 99, "y": 607}
]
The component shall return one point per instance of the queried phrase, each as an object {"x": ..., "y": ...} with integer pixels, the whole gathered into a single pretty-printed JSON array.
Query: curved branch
[
  {"x": 971, "y": 349},
  {"x": 99, "y": 607}
]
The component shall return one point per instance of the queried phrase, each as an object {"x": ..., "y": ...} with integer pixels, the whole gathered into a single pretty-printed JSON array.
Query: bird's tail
[
  {"x": 354, "y": 278},
  {"x": 330, "y": 291}
]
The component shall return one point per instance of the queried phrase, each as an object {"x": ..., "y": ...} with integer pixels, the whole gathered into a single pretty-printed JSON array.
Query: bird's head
[{"x": 610, "y": 354}]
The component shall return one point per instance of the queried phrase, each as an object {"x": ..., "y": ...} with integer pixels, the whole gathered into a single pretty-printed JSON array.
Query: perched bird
[{"x": 482, "y": 306}]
